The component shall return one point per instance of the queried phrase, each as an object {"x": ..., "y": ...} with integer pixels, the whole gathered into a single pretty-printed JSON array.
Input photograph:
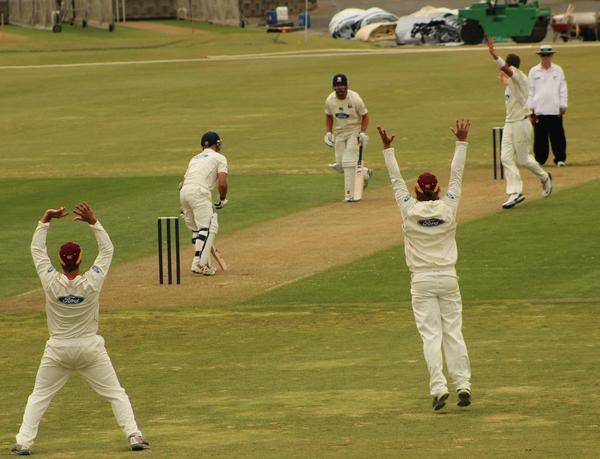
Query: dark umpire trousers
[{"x": 549, "y": 126}]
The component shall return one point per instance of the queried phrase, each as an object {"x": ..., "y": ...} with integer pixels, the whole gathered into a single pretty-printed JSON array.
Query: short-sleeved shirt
[
  {"x": 347, "y": 113},
  {"x": 515, "y": 94},
  {"x": 203, "y": 169}
]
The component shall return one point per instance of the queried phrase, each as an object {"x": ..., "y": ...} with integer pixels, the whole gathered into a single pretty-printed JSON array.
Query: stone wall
[{"x": 149, "y": 9}]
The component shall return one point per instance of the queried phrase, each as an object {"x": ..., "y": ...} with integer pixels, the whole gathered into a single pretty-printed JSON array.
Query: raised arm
[
  {"x": 39, "y": 251},
  {"x": 457, "y": 168},
  {"x": 401, "y": 193},
  {"x": 502, "y": 65},
  {"x": 99, "y": 269}
]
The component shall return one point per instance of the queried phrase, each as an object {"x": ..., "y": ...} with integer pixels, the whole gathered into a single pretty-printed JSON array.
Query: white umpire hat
[{"x": 546, "y": 49}]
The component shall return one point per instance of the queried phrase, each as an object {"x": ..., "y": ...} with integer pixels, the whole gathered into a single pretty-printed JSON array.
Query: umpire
[{"x": 548, "y": 101}]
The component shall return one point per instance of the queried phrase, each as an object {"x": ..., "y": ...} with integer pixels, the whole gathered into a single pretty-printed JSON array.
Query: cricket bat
[
  {"x": 359, "y": 176},
  {"x": 218, "y": 258}
]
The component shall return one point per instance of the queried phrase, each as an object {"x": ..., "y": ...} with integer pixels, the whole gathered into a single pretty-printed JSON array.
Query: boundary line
[{"x": 302, "y": 54}]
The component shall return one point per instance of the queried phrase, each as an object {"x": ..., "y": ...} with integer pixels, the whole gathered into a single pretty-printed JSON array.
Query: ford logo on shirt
[
  {"x": 342, "y": 115},
  {"x": 431, "y": 222},
  {"x": 71, "y": 299}
]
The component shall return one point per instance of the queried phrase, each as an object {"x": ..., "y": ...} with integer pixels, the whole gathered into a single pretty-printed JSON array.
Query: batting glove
[
  {"x": 328, "y": 139},
  {"x": 221, "y": 204},
  {"x": 363, "y": 139}
]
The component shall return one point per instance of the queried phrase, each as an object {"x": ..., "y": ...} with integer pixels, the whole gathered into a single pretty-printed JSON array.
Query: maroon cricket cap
[
  {"x": 70, "y": 254},
  {"x": 427, "y": 181}
]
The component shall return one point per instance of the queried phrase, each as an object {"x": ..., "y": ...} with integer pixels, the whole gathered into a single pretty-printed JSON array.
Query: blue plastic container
[
  {"x": 271, "y": 17},
  {"x": 304, "y": 20}
]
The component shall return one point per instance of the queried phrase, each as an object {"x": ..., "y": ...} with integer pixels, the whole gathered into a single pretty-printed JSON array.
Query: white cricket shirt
[
  {"x": 203, "y": 169},
  {"x": 547, "y": 90},
  {"x": 515, "y": 96},
  {"x": 347, "y": 113},
  {"x": 429, "y": 226},
  {"x": 71, "y": 305}
]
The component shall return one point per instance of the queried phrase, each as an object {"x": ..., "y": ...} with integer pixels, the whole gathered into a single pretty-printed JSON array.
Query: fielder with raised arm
[
  {"x": 429, "y": 225},
  {"x": 517, "y": 133},
  {"x": 346, "y": 122},
  {"x": 72, "y": 310},
  {"x": 206, "y": 170}
]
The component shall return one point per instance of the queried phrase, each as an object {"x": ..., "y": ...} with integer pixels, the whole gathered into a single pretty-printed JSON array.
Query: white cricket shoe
[
  {"x": 561, "y": 164},
  {"x": 333, "y": 166},
  {"x": 513, "y": 200},
  {"x": 439, "y": 401},
  {"x": 204, "y": 270},
  {"x": 547, "y": 186},
  {"x": 137, "y": 442}
]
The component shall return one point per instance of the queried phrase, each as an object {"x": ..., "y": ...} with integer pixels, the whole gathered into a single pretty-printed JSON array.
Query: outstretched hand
[
  {"x": 385, "y": 137},
  {"x": 85, "y": 213},
  {"x": 54, "y": 213},
  {"x": 490, "y": 43},
  {"x": 461, "y": 130}
]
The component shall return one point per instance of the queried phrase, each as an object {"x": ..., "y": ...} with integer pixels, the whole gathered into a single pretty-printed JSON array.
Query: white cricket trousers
[
  {"x": 437, "y": 307},
  {"x": 201, "y": 219},
  {"x": 515, "y": 149},
  {"x": 346, "y": 159},
  {"x": 62, "y": 357}
]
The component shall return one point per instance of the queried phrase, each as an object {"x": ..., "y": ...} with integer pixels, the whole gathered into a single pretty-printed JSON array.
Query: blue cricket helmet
[{"x": 210, "y": 138}]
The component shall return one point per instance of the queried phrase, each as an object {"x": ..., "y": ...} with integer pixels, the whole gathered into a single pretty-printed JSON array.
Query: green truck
[{"x": 523, "y": 21}]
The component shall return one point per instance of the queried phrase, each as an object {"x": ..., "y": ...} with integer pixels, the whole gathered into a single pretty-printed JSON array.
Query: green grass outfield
[
  {"x": 276, "y": 378},
  {"x": 329, "y": 366}
]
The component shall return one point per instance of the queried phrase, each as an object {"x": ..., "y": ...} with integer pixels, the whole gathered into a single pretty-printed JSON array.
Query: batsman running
[
  {"x": 346, "y": 121},
  {"x": 517, "y": 132},
  {"x": 206, "y": 170},
  {"x": 429, "y": 225},
  {"x": 72, "y": 308}
]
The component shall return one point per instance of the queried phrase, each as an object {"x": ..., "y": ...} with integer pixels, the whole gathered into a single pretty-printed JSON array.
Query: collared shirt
[
  {"x": 347, "y": 113},
  {"x": 547, "y": 90},
  {"x": 203, "y": 169},
  {"x": 515, "y": 96},
  {"x": 72, "y": 304},
  {"x": 429, "y": 226}
]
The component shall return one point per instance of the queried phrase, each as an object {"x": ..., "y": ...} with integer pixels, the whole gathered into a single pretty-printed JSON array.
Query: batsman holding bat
[
  {"x": 74, "y": 345},
  {"x": 346, "y": 121},
  {"x": 206, "y": 170},
  {"x": 429, "y": 225}
]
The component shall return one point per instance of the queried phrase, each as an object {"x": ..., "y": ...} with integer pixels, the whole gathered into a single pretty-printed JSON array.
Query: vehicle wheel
[
  {"x": 84, "y": 23},
  {"x": 56, "y": 28},
  {"x": 111, "y": 27},
  {"x": 540, "y": 29},
  {"x": 471, "y": 32},
  {"x": 588, "y": 34}
]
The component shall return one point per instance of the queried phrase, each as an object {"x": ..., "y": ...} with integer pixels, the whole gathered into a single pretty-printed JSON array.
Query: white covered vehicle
[
  {"x": 347, "y": 23},
  {"x": 429, "y": 25}
]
